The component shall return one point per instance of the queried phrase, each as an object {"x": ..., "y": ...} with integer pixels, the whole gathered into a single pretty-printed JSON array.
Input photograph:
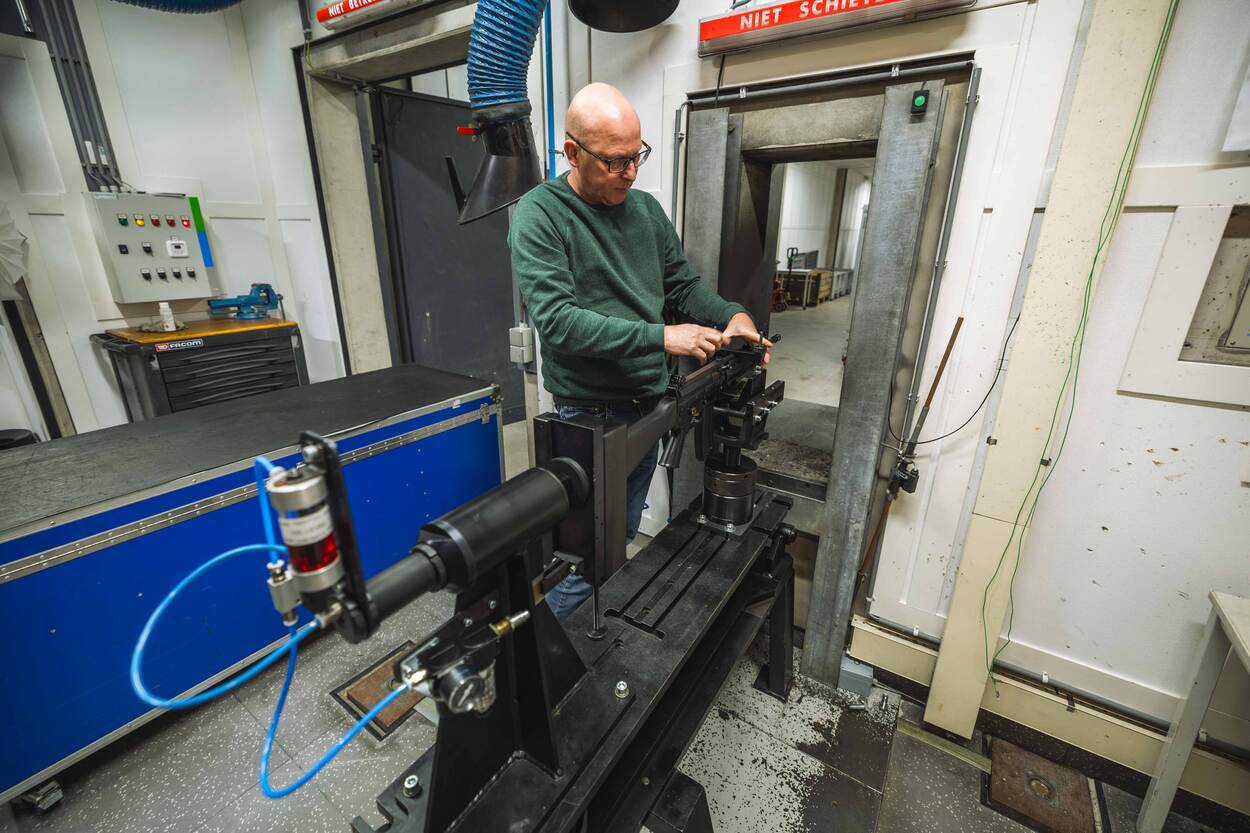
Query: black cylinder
[
  {"x": 729, "y": 491},
  {"x": 483, "y": 532},
  {"x": 405, "y": 581}
]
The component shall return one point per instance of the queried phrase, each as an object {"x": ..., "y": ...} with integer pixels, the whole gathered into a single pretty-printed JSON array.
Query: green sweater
[{"x": 596, "y": 280}]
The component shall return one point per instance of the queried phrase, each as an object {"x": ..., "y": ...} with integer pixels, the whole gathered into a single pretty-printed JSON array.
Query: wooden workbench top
[{"x": 199, "y": 329}]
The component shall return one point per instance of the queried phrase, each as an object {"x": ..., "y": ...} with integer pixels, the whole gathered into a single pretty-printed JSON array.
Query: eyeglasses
[{"x": 618, "y": 165}]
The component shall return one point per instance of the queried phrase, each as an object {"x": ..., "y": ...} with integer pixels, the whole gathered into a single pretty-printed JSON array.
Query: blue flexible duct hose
[
  {"x": 183, "y": 6},
  {"x": 500, "y": 46}
]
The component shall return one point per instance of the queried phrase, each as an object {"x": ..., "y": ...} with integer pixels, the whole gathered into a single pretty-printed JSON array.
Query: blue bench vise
[{"x": 255, "y": 304}]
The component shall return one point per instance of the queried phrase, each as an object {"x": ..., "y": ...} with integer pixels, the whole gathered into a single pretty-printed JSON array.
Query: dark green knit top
[{"x": 596, "y": 280}]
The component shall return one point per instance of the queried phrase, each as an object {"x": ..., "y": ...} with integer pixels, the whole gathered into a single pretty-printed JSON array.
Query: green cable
[{"x": 1112, "y": 213}]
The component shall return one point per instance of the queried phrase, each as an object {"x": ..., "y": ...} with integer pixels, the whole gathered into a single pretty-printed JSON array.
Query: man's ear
[{"x": 570, "y": 153}]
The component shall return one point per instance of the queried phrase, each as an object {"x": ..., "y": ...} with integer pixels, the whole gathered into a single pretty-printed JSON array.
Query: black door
[{"x": 449, "y": 288}]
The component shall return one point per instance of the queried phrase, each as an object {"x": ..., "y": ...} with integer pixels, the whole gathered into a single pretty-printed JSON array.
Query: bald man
[{"x": 598, "y": 264}]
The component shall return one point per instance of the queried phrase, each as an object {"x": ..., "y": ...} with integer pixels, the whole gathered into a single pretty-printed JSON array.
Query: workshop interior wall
[
  {"x": 1147, "y": 513},
  {"x": 855, "y": 200},
  {"x": 203, "y": 104},
  {"x": 807, "y": 209}
]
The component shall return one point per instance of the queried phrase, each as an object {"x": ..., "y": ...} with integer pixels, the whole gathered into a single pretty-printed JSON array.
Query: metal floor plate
[
  {"x": 1038, "y": 792},
  {"x": 366, "y": 689}
]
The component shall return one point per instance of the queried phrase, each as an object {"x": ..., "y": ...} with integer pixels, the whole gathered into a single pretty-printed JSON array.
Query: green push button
[{"x": 919, "y": 102}]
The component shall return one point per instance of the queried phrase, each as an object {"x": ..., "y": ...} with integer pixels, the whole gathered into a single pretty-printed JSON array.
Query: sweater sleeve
[
  {"x": 684, "y": 290},
  {"x": 541, "y": 264}
]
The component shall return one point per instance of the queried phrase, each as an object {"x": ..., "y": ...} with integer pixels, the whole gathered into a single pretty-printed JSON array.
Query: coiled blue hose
[{"x": 500, "y": 45}]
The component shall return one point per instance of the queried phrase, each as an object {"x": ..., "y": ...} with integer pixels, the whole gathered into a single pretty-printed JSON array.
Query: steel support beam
[{"x": 905, "y": 152}]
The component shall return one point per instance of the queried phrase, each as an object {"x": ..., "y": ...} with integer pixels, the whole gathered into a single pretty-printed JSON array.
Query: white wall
[
  {"x": 1093, "y": 608},
  {"x": 203, "y": 104},
  {"x": 858, "y": 191},
  {"x": 807, "y": 209}
]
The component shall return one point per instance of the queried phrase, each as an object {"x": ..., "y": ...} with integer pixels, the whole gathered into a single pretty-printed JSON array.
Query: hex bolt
[
  {"x": 702, "y": 519},
  {"x": 412, "y": 786},
  {"x": 468, "y": 623},
  {"x": 622, "y": 689},
  {"x": 493, "y": 604}
]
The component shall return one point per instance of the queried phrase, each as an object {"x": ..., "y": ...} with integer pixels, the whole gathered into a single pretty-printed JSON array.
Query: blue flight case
[{"x": 95, "y": 530}]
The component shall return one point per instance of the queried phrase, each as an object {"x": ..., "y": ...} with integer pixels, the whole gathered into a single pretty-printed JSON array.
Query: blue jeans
[{"x": 565, "y": 597}]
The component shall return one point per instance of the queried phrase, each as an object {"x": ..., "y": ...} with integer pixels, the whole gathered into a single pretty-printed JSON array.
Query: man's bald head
[
  {"x": 601, "y": 123},
  {"x": 600, "y": 112}
]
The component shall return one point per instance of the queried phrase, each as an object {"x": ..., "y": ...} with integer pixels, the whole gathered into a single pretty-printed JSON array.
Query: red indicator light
[
  {"x": 169, "y": 220},
  {"x": 186, "y": 222},
  {"x": 156, "y": 221},
  {"x": 467, "y": 131}
]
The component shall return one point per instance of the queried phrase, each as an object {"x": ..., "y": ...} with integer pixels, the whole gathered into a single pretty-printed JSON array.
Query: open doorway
[{"x": 820, "y": 232}]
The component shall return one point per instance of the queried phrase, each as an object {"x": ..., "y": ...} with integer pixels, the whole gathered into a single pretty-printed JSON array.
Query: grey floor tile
[
  {"x": 363, "y": 769},
  {"x": 306, "y": 810},
  {"x": 929, "y": 791},
  {"x": 756, "y": 782},
  {"x": 911, "y": 711},
  {"x": 1122, "y": 810},
  {"x": 328, "y": 662},
  {"x": 175, "y": 779},
  {"x": 816, "y": 720},
  {"x": 8, "y": 824}
]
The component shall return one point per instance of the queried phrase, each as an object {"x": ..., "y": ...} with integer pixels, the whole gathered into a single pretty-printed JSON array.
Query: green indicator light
[{"x": 919, "y": 101}]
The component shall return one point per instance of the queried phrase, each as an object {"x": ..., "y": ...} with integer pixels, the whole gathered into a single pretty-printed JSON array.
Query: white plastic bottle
[{"x": 168, "y": 324}]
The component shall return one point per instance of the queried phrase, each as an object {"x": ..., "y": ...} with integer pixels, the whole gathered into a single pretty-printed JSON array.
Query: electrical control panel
[{"x": 154, "y": 246}]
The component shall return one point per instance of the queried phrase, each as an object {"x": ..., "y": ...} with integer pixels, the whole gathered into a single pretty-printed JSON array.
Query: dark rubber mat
[
  {"x": 1038, "y": 792},
  {"x": 366, "y": 689}
]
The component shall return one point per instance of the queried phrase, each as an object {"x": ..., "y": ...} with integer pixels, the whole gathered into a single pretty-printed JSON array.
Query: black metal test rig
[{"x": 550, "y": 728}]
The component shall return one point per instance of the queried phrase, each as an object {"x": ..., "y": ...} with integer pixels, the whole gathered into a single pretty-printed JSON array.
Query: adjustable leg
[{"x": 775, "y": 677}]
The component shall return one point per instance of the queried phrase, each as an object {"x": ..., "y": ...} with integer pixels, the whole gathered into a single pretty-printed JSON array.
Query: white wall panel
[
  {"x": 310, "y": 279},
  {"x": 23, "y": 131},
  {"x": 65, "y": 271},
  {"x": 1145, "y": 514},
  {"x": 18, "y": 407},
  {"x": 807, "y": 209},
  {"x": 1207, "y": 58},
  {"x": 272, "y": 30},
  {"x": 185, "y": 116}
]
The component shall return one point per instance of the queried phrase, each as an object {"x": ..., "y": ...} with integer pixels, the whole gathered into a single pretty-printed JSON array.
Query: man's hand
[
  {"x": 742, "y": 325},
  {"x": 692, "y": 340}
]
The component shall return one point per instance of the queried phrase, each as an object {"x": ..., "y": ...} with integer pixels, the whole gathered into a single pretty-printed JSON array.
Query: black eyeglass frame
[{"x": 638, "y": 158}]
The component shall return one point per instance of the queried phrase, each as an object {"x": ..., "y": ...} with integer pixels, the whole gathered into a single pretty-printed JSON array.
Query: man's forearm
[{"x": 582, "y": 332}]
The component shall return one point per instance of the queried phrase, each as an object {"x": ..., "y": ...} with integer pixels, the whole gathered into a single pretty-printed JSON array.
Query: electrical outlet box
[{"x": 154, "y": 246}]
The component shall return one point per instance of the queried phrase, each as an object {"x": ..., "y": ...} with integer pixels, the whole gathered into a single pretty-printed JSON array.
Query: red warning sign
[{"x": 764, "y": 24}]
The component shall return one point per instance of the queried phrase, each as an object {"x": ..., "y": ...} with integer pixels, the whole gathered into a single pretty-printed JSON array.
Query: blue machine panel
[{"x": 69, "y": 629}]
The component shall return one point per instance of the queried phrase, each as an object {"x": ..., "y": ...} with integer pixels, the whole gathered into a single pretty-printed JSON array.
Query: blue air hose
[
  {"x": 282, "y": 792},
  {"x": 262, "y": 468},
  {"x": 290, "y": 647}
]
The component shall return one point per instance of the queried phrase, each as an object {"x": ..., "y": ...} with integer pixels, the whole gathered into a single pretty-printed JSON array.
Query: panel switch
[
  {"x": 123, "y": 249},
  {"x": 190, "y": 273},
  {"x": 147, "y": 248},
  {"x": 178, "y": 274},
  {"x": 146, "y": 273},
  {"x": 160, "y": 273}
]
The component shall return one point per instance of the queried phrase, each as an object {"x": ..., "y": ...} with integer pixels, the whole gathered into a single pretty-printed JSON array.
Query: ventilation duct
[
  {"x": 183, "y": 6},
  {"x": 500, "y": 45}
]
